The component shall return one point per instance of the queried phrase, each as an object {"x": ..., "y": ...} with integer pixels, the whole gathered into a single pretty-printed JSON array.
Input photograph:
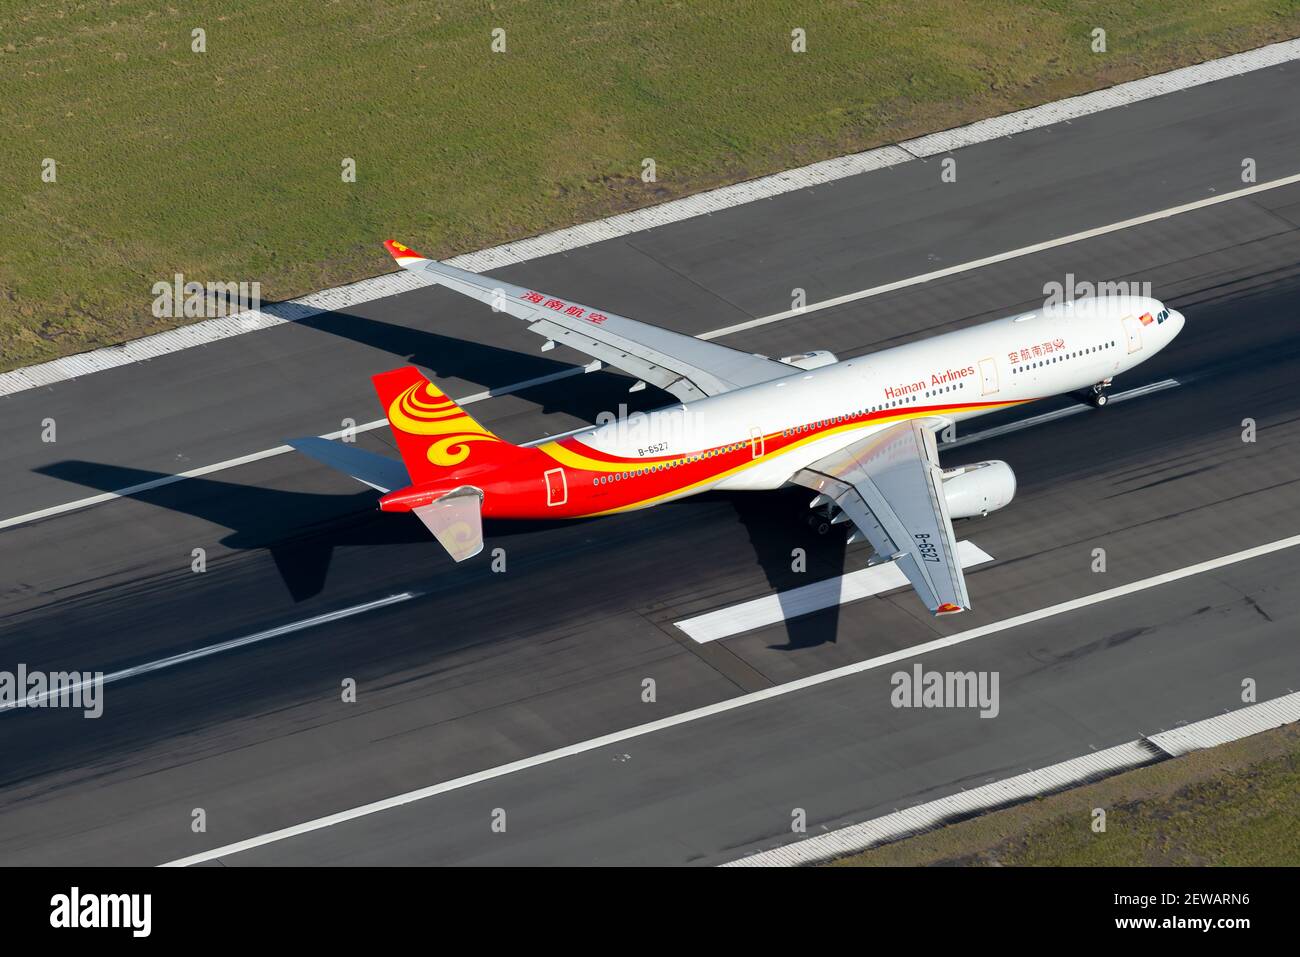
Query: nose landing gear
[{"x": 1096, "y": 396}]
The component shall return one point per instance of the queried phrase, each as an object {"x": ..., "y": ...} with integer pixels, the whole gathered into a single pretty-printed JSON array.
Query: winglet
[{"x": 404, "y": 255}]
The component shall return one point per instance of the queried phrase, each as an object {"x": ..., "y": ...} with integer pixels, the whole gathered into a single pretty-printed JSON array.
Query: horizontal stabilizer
[
  {"x": 383, "y": 474},
  {"x": 456, "y": 521}
]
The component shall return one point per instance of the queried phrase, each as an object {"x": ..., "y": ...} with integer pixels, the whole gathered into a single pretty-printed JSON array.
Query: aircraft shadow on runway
[
  {"x": 776, "y": 523},
  {"x": 301, "y": 530}
]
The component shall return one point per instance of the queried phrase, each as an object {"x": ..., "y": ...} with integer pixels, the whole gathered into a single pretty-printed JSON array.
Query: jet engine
[
  {"x": 978, "y": 489},
  {"x": 811, "y": 360}
]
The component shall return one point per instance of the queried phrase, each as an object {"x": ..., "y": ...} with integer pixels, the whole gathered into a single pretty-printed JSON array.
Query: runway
[{"x": 478, "y": 669}]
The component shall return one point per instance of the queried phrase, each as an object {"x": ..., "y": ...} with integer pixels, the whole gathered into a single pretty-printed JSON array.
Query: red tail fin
[{"x": 434, "y": 435}]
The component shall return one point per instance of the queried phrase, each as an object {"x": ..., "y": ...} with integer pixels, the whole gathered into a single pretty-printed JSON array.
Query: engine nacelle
[
  {"x": 811, "y": 360},
  {"x": 978, "y": 489}
]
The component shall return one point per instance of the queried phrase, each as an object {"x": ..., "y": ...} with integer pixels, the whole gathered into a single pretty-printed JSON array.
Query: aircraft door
[
  {"x": 1133, "y": 332},
  {"x": 756, "y": 441},
  {"x": 988, "y": 377},
  {"x": 557, "y": 489}
]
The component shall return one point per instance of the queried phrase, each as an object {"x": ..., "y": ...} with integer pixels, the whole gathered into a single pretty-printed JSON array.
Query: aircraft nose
[{"x": 1176, "y": 318}]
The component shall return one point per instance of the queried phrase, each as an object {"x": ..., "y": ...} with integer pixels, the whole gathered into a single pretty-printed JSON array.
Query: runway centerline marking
[
  {"x": 185, "y": 657},
  {"x": 713, "y": 334},
  {"x": 1045, "y": 417},
  {"x": 740, "y": 701},
  {"x": 806, "y": 599}
]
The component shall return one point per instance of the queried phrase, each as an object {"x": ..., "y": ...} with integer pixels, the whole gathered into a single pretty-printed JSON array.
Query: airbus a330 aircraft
[{"x": 859, "y": 433}]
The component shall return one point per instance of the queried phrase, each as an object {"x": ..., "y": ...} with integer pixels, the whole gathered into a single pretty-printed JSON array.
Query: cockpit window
[{"x": 1162, "y": 315}]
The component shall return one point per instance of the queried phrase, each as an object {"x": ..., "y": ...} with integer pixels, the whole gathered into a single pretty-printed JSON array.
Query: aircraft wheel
[
  {"x": 1100, "y": 399},
  {"x": 819, "y": 523}
]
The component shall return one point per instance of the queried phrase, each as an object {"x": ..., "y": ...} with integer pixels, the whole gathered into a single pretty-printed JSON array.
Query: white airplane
[{"x": 860, "y": 433}]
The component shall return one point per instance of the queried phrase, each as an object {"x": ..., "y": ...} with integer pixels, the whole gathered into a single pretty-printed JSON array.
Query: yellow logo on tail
[{"x": 424, "y": 409}]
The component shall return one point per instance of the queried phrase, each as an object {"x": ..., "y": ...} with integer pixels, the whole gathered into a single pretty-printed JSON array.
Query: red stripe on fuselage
[{"x": 520, "y": 490}]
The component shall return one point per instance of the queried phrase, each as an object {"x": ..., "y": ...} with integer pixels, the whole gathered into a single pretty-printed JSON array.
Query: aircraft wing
[
  {"x": 688, "y": 367},
  {"x": 890, "y": 485}
]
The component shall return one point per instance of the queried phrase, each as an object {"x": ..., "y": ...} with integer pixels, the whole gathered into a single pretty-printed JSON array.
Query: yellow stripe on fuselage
[{"x": 576, "y": 460}]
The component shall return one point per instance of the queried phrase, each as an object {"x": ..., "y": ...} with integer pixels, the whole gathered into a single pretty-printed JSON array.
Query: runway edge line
[
  {"x": 855, "y": 838},
  {"x": 624, "y": 224}
]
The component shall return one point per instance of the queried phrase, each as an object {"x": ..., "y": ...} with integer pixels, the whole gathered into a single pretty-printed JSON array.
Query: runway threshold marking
[
  {"x": 713, "y": 334},
  {"x": 209, "y": 650},
  {"x": 806, "y": 599},
  {"x": 741, "y": 701}
]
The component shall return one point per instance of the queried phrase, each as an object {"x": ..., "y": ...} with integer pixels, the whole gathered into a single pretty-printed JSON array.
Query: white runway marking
[
  {"x": 1233, "y": 726},
  {"x": 741, "y": 701},
  {"x": 807, "y": 599},
  {"x": 208, "y": 651}
]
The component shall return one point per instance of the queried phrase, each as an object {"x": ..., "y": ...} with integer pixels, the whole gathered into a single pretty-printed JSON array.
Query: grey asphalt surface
[{"x": 480, "y": 669}]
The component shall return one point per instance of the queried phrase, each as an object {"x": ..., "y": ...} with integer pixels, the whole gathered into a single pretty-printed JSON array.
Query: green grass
[
  {"x": 226, "y": 165},
  {"x": 1235, "y": 805}
]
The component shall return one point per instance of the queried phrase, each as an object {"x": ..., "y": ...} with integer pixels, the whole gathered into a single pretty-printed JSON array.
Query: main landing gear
[{"x": 819, "y": 523}]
